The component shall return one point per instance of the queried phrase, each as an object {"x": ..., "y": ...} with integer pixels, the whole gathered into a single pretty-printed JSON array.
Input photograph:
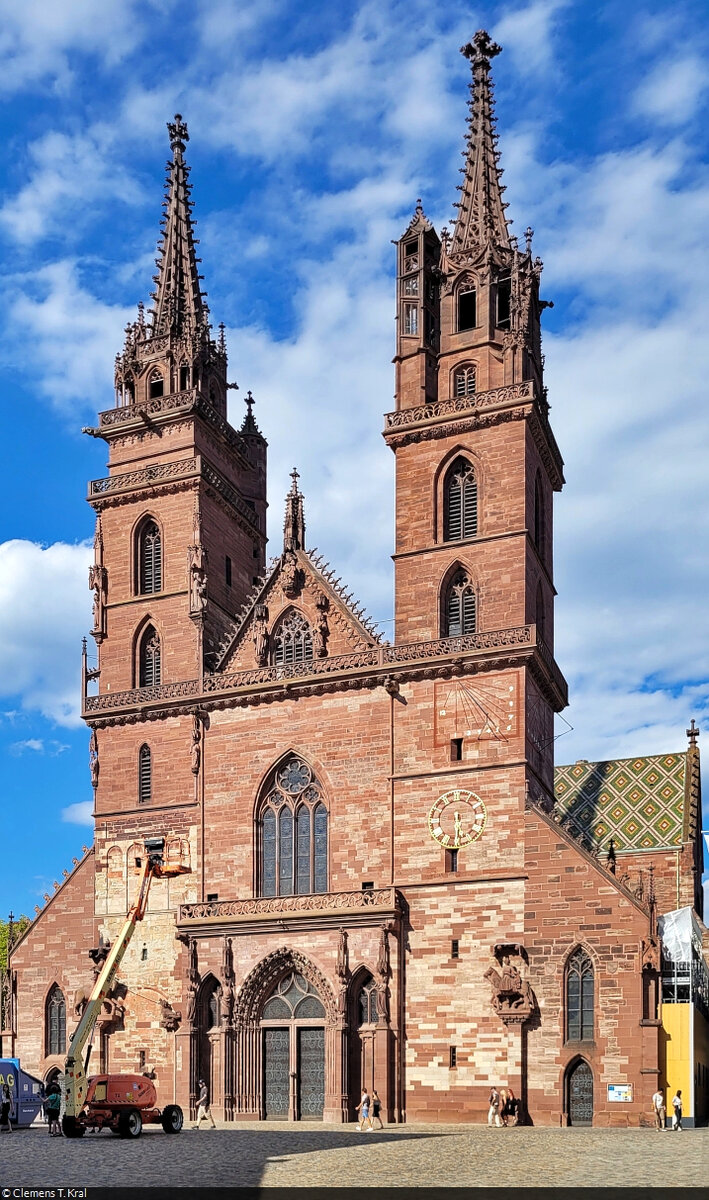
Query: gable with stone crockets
[{"x": 638, "y": 802}]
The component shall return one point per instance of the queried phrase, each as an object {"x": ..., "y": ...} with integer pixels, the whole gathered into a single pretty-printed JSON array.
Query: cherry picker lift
[{"x": 121, "y": 1103}]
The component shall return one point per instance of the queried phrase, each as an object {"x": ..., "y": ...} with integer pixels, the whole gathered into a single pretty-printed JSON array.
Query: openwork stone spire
[
  {"x": 179, "y": 307},
  {"x": 294, "y": 524},
  {"x": 481, "y": 219}
]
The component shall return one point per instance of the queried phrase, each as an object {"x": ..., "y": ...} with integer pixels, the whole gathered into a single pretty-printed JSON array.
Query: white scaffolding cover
[{"x": 681, "y": 935}]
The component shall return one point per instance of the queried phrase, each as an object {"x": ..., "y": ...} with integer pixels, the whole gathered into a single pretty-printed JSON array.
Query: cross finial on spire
[
  {"x": 481, "y": 49},
  {"x": 294, "y": 524},
  {"x": 177, "y": 130},
  {"x": 693, "y": 733},
  {"x": 295, "y": 477},
  {"x": 249, "y": 425}
]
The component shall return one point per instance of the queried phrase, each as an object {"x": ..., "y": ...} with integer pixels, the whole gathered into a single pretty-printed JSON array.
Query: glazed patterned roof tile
[{"x": 638, "y": 802}]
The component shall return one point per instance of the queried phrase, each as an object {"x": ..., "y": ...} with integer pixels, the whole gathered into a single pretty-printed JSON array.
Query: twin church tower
[{"x": 378, "y": 894}]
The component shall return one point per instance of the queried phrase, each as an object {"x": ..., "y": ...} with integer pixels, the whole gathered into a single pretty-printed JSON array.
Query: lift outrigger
[{"x": 121, "y": 1103}]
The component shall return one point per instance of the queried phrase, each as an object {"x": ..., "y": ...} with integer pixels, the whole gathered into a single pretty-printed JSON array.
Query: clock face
[{"x": 457, "y": 819}]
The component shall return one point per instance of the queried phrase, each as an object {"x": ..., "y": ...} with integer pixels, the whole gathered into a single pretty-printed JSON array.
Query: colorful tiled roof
[{"x": 639, "y": 802}]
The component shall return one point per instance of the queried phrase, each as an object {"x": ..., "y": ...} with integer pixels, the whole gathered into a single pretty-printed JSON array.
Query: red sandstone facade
[{"x": 422, "y": 951}]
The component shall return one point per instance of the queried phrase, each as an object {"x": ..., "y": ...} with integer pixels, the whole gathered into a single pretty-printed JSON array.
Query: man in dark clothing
[{"x": 203, "y": 1109}]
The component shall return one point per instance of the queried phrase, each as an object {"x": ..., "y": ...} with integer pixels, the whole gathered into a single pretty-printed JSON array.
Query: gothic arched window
[
  {"x": 464, "y": 380},
  {"x": 292, "y": 640},
  {"x": 149, "y": 558},
  {"x": 293, "y": 823},
  {"x": 145, "y": 775},
  {"x": 459, "y": 606},
  {"x": 56, "y": 1021},
  {"x": 149, "y": 672},
  {"x": 460, "y": 501},
  {"x": 156, "y": 386},
  {"x": 366, "y": 1004},
  {"x": 579, "y": 997}
]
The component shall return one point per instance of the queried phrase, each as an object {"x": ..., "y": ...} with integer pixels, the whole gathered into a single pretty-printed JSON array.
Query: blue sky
[{"x": 314, "y": 128}]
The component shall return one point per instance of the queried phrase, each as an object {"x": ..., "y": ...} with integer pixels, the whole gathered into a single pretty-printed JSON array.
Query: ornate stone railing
[
  {"x": 313, "y": 666},
  {"x": 140, "y": 696},
  {"x": 159, "y": 473},
  {"x": 495, "y": 639},
  {"x": 510, "y": 394},
  {"x": 230, "y": 495},
  {"x": 279, "y": 905},
  {"x": 125, "y": 413}
]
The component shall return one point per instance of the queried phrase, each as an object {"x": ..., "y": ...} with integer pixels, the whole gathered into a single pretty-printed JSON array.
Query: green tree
[{"x": 19, "y": 928}]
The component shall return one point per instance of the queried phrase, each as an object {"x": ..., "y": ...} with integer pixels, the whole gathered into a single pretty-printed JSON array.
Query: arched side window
[
  {"x": 467, "y": 306},
  {"x": 145, "y": 775},
  {"x": 460, "y": 501},
  {"x": 579, "y": 997},
  {"x": 292, "y": 640},
  {"x": 293, "y": 823},
  {"x": 156, "y": 385},
  {"x": 538, "y": 514},
  {"x": 464, "y": 380},
  {"x": 459, "y": 608},
  {"x": 149, "y": 558},
  {"x": 56, "y": 1021},
  {"x": 149, "y": 658},
  {"x": 366, "y": 1004}
]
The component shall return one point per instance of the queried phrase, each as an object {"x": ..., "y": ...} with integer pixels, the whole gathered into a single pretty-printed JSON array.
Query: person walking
[
  {"x": 511, "y": 1110},
  {"x": 376, "y": 1109},
  {"x": 659, "y": 1111},
  {"x": 493, "y": 1114},
  {"x": 204, "y": 1112},
  {"x": 363, "y": 1110},
  {"x": 503, "y": 1106},
  {"x": 5, "y": 1109},
  {"x": 52, "y": 1107},
  {"x": 677, "y": 1110}
]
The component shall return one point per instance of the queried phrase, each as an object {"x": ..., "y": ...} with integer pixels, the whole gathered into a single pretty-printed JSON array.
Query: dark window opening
[
  {"x": 579, "y": 998},
  {"x": 460, "y": 501},
  {"x": 212, "y": 897},
  {"x": 456, "y": 749},
  {"x": 227, "y": 570},
  {"x": 467, "y": 310},
  {"x": 144, "y": 954},
  {"x": 411, "y": 248},
  {"x": 142, "y": 1058},
  {"x": 368, "y": 886},
  {"x": 455, "y": 948},
  {"x": 150, "y": 559},
  {"x": 452, "y": 1057},
  {"x": 145, "y": 782},
  {"x": 459, "y": 609},
  {"x": 451, "y": 861},
  {"x": 184, "y": 378},
  {"x": 504, "y": 293},
  {"x": 156, "y": 387}
]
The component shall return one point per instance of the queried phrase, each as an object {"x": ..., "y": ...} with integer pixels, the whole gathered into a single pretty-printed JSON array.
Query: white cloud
[
  {"x": 32, "y": 744},
  {"x": 39, "y": 39},
  {"x": 44, "y": 612},
  {"x": 74, "y": 336},
  {"x": 528, "y": 34},
  {"x": 673, "y": 92},
  {"x": 68, "y": 174},
  {"x": 79, "y": 814}
]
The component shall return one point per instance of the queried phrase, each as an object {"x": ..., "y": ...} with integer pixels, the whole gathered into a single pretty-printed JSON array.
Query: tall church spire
[
  {"x": 294, "y": 523},
  {"x": 481, "y": 222},
  {"x": 179, "y": 307}
]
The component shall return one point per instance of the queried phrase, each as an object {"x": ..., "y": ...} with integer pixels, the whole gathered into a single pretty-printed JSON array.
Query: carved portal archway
[{"x": 299, "y": 979}]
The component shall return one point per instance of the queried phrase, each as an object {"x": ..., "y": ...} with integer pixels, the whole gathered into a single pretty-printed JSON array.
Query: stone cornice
[
  {"x": 366, "y": 668},
  {"x": 314, "y": 911},
  {"x": 428, "y": 414}
]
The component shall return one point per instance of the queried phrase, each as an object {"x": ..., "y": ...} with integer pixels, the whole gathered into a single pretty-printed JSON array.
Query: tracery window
[
  {"x": 156, "y": 385},
  {"x": 366, "y": 1008},
  {"x": 149, "y": 658},
  {"x": 464, "y": 381},
  {"x": 56, "y": 1021},
  {"x": 579, "y": 997},
  {"x": 411, "y": 320},
  {"x": 294, "y": 833},
  {"x": 459, "y": 606},
  {"x": 145, "y": 775},
  {"x": 149, "y": 558},
  {"x": 460, "y": 501},
  {"x": 293, "y": 997},
  {"x": 293, "y": 640}
]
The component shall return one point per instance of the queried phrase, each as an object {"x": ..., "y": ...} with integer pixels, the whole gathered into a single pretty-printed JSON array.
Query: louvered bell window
[
  {"x": 145, "y": 775},
  {"x": 464, "y": 381},
  {"x": 460, "y": 606},
  {"x": 460, "y": 501},
  {"x": 150, "y": 672},
  {"x": 293, "y": 640},
  {"x": 150, "y": 559}
]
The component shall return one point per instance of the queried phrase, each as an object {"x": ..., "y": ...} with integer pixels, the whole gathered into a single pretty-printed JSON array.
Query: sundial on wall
[{"x": 479, "y": 709}]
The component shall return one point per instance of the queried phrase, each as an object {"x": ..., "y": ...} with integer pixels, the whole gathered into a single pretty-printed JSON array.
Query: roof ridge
[{"x": 356, "y": 609}]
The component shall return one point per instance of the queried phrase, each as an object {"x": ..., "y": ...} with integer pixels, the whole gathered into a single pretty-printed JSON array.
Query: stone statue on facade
[
  {"x": 321, "y": 630},
  {"x": 512, "y": 996},
  {"x": 261, "y": 638},
  {"x": 94, "y": 764}
]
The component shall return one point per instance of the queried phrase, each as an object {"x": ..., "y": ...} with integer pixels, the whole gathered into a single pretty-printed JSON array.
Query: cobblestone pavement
[{"x": 309, "y": 1155}]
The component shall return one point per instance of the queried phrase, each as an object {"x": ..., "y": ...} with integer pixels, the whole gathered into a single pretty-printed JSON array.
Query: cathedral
[{"x": 387, "y": 884}]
